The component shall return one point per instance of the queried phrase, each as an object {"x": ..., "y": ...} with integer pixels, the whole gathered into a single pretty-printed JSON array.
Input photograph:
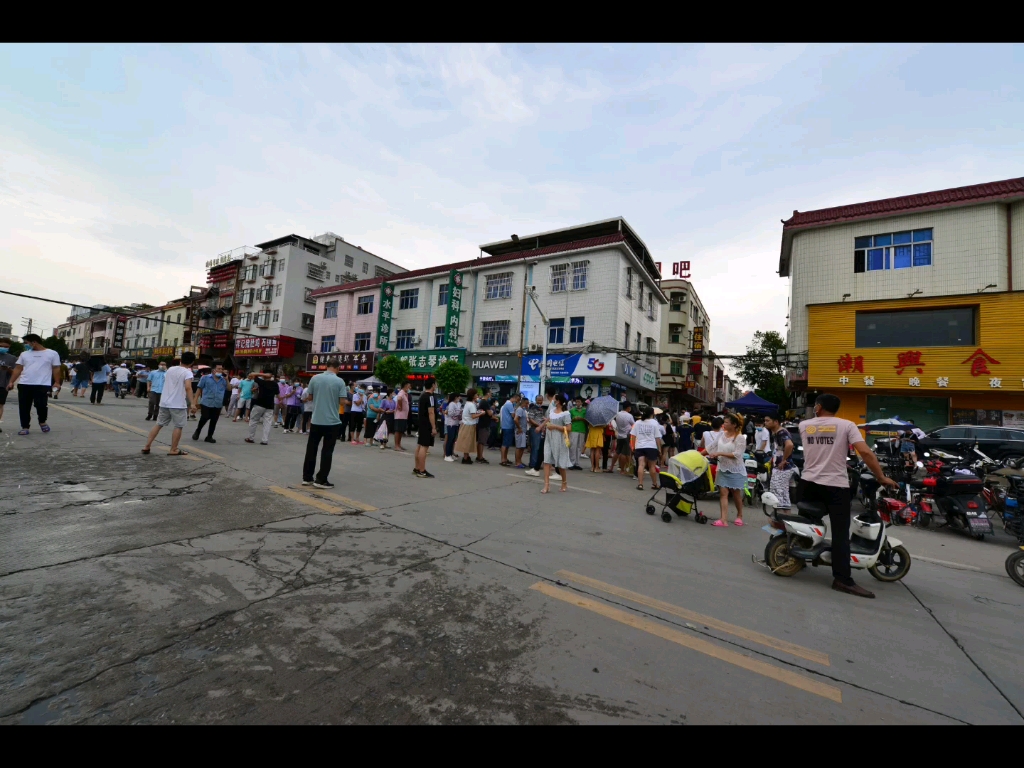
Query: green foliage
[
  {"x": 452, "y": 377},
  {"x": 57, "y": 345},
  {"x": 16, "y": 348},
  {"x": 392, "y": 370},
  {"x": 760, "y": 370}
]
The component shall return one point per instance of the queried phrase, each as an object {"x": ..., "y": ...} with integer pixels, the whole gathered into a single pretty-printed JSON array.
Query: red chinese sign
[
  {"x": 979, "y": 363},
  {"x": 268, "y": 346},
  {"x": 910, "y": 359},
  {"x": 681, "y": 269},
  {"x": 850, "y": 364}
]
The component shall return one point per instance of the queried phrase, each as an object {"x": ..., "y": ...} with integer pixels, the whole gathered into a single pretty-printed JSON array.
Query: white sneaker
[
  {"x": 449, "y": 458},
  {"x": 533, "y": 473}
]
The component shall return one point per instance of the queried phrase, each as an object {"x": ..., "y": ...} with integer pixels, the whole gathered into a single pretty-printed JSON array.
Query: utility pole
[
  {"x": 544, "y": 354},
  {"x": 27, "y": 325}
]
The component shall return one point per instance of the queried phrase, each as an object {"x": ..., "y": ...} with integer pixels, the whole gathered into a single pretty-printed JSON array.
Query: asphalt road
[{"x": 214, "y": 588}]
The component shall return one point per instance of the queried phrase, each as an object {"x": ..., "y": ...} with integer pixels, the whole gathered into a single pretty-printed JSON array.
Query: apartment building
[
  {"x": 687, "y": 379},
  {"x": 274, "y": 318},
  {"x": 596, "y": 284},
  {"x": 911, "y": 306}
]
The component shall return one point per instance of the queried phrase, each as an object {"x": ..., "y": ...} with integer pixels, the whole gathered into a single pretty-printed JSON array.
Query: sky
[{"x": 123, "y": 169}]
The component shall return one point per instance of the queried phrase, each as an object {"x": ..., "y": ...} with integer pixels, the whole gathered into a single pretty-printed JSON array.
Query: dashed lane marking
[
  {"x": 312, "y": 501},
  {"x": 958, "y": 566},
  {"x": 136, "y": 430},
  {"x": 63, "y": 409},
  {"x": 698, "y": 618},
  {"x": 343, "y": 499},
  {"x": 815, "y": 687}
]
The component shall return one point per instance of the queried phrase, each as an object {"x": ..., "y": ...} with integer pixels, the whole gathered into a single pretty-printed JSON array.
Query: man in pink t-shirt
[
  {"x": 401, "y": 415},
  {"x": 827, "y": 441}
]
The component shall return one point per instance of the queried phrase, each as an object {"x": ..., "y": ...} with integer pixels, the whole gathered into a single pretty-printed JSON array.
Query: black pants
[
  {"x": 154, "y": 405},
  {"x": 540, "y": 454},
  {"x": 838, "y": 502},
  {"x": 318, "y": 432},
  {"x": 29, "y": 394},
  {"x": 345, "y": 419},
  {"x": 291, "y": 416},
  {"x": 371, "y": 429},
  {"x": 209, "y": 413},
  {"x": 306, "y": 416},
  {"x": 357, "y": 423},
  {"x": 96, "y": 396},
  {"x": 607, "y": 449}
]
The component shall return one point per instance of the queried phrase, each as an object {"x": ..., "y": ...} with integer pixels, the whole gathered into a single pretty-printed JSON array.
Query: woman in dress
[
  {"x": 556, "y": 447},
  {"x": 731, "y": 477},
  {"x": 387, "y": 410},
  {"x": 466, "y": 442},
  {"x": 595, "y": 444}
]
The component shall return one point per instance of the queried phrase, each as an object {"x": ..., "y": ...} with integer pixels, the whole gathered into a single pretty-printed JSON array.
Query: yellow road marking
[
  {"x": 829, "y": 692},
  {"x": 86, "y": 418},
  {"x": 343, "y": 499},
  {"x": 709, "y": 621},
  {"x": 304, "y": 499},
  {"x": 143, "y": 432}
]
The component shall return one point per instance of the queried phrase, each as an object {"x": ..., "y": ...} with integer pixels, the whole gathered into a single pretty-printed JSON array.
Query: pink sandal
[
  {"x": 720, "y": 524},
  {"x": 738, "y": 522}
]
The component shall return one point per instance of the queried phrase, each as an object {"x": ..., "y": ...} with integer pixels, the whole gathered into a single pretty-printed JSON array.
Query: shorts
[
  {"x": 3, "y": 395},
  {"x": 425, "y": 437},
  {"x": 737, "y": 481},
  {"x": 508, "y": 438},
  {"x": 622, "y": 446},
  {"x": 483, "y": 433},
  {"x": 176, "y": 417},
  {"x": 907, "y": 447},
  {"x": 651, "y": 454},
  {"x": 521, "y": 439},
  {"x": 401, "y": 425}
]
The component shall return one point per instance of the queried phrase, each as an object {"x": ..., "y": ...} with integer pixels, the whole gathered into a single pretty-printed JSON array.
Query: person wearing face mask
[
  {"x": 466, "y": 442},
  {"x": 211, "y": 390},
  {"x": 7, "y": 363},
  {"x": 156, "y": 388},
  {"x": 358, "y": 414}
]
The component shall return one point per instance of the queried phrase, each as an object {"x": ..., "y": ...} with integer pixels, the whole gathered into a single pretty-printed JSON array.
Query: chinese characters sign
[
  {"x": 119, "y": 328},
  {"x": 451, "y": 326},
  {"x": 427, "y": 362},
  {"x": 263, "y": 346},
  {"x": 347, "y": 361},
  {"x": 698, "y": 339},
  {"x": 850, "y": 364},
  {"x": 910, "y": 359},
  {"x": 979, "y": 363},
  {"x": 681, "y": 269},
  {"x": 387, "y": 308}
]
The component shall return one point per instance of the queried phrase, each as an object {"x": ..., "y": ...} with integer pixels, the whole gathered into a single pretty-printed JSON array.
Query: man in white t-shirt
[
  {"x": 622, "y": 423},
  {"x": 762, "y": 437},
  {"x": 121, "y": 376},
  {"x": 176, "y": 401},
  {"x": 35, "y": 372},
  {"x": 235, "y": 393}
]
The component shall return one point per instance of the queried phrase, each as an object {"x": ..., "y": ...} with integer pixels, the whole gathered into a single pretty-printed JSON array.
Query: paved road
[{"x": 214, "y": 588}]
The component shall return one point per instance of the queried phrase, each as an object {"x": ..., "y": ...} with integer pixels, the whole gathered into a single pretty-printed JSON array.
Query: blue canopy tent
[{"x": 751, "y": 403}]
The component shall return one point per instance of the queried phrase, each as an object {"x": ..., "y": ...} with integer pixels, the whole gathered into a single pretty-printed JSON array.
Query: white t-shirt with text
[
  {"x": 174, "y": 387},
  {"x": 37, "y": 367}
]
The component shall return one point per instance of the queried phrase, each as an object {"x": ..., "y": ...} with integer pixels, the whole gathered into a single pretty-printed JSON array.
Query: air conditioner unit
[
  {"x": 419, "y": 340},
  {"x": 535, "y": 347}
]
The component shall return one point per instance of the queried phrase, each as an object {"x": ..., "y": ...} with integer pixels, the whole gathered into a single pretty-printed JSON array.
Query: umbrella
[
  {"x": 373, "y": 381},
  {"x": 885, "y": 426},
  {"x": 601, "y": 410},
  {"x": 657, "y": 411}
]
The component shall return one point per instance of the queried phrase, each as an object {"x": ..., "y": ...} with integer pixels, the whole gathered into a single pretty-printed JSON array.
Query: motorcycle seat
[
  {"x": 782, "y": 516},
  {"x": 812, "y": 510}
]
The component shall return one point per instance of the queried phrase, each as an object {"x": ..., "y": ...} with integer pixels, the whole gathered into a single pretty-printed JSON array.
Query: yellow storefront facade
[{"x": 970, "y": 368}]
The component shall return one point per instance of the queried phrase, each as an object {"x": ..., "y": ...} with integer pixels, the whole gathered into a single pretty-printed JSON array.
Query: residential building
[
  {"x": 156, "y": 332},
  {"x": 596, "y": 284},
  {"x": 274, "y": 318},
  {"x": 911, "y": 306},
  {"x": 685, "y": 365},
  {"x": 6, "y": 329}
]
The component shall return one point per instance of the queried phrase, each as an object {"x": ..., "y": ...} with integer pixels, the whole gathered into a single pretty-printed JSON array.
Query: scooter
[
  {"x": 956, "y": 495},
  {"x": 800, "y": 539}
]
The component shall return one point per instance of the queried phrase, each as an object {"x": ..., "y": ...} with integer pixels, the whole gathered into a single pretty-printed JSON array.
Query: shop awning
[{"x": 751, "y": 403}]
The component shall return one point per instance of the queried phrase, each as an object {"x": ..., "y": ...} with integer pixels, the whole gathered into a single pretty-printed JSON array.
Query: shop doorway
[{"x": 928, "y": 413}]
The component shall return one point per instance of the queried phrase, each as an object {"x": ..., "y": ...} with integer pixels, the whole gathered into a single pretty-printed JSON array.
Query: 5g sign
[{"x": 595, "y": 364}]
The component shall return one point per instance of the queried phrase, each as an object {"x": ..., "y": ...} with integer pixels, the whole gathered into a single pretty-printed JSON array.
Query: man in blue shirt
[
  {"x": 99, "y": 384},
  {"x": 508, "y": 428},
  {"x": 156, "y": 387},
  {"x": 211, "y": 390},
  {"x": 328, "y": 392}
]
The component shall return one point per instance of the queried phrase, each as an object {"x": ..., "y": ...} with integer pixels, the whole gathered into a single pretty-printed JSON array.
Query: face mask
[
  {"x": 218, "y": 375},
  {"x": 163, "y": 367}
]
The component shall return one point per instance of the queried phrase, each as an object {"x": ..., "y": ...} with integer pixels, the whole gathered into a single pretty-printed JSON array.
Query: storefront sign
[
  {"x": 849, "y": 364},
  {"x": 347, "y": 362},
  {"x": 1013, "y": 419},
  {"x": 681, "y": 269},
  {"x": 163, "y": 352},
  {"x": 387, "y": 308},
  {"x": 649, "y": 379},
  {"x": 909, "y": 359},
  {"x": 451, "y": 326},
  {"x": 140, "y": 354},
  {"x": 698, "y": 339},
  {"x": 979, "y": 363},
  {"x": 493, "y": 364},
  {"x": 265, "y": 346},
  {"x": 119, "y": 328},
  {"x": 507, "y": 378},
  {"x": 427, "y": 362}
]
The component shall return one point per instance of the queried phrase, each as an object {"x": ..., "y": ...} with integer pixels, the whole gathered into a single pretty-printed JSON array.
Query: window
[
  {"x": 695, "y": 314},
  {"x": 677, "y": 300},
  {"x": 626, "y": 343},
  {"x": 277, "y": 315},
  {"x": 245, "y": 319},
  {"x": 638, "y": 341},
  {"x": 409, "y": 298},
  {"x": 405, "y": 339},
  {"x": 263, "y": 318},
  {"x": 675, "y": 334},
  {"x": 179, "y": 314},
  {"x": 676, "y": 367},
  {"x": 280, "y": 266},
  {"x": 559, "y": 278},
  {"x": 348, "y": 260},
  {"x": 267, "y": 270},
  {"x": 326, "y": 343},
  {"x": 175, "y": 342},
  {"x": 576, "y": 325},
  {"x": 579, "y": 275},
  {"x": 442, "y": 295},
  {"x": 556, "y": 330},
  {"x": 147, "y": 322},
  {"x": 280, "y": 288},
  {"x": 953, "y": 327},
  {"x": 251, "y": 272},
  {"x": 494, "y": 333},
  {"x": 650, "y": 346},
  {"x": 896, "y": 250},
  {"x": 364, "y": 305},
  {"x": 629, "y": 288},
  {"x": 650, "y": 305},
  {"x": 981, "y": 433},
  {"x": 330, "y": 309},
  {"x": 307, "y": 320},
  {"x": 951, "y": 433},
  {"x": 307, "y": 296},
  {"x": 438, "y": 336},
  {"x": 362, "y": 342},
  {"x": 499, "y": 286},
  {"x": 366, "y": 268}
]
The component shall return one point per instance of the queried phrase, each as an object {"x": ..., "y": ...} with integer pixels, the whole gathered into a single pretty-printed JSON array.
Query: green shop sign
[
  {"x": 451, "y": 326},
  {"x": 387, "y": 308},
  {"x": 427, "y": 362}
]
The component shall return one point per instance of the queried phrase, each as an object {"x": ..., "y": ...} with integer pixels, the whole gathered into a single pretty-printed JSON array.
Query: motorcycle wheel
[
  {"x": 1015, "y": 567},
  {"x": 923, "y": 519},
  {"x": 892, "y": 565},
  {"x": 776, "y": 554}
]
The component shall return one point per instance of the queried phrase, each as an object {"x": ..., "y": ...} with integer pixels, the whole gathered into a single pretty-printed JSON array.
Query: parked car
[{"x": 998, "y": 443}]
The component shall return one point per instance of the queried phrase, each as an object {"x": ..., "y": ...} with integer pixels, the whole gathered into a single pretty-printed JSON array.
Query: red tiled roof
[
  {"x": 943, "y": 198},
  {"x": 576, "y": 245}
]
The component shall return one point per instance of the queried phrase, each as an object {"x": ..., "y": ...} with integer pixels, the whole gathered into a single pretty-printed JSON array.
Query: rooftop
[{"x": 975, "y": 194}]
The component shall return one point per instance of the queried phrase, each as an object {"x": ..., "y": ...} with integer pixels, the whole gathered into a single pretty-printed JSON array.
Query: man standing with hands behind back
[{"x": 327, "y": 391}]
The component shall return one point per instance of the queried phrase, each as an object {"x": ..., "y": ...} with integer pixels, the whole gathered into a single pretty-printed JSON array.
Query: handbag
[{"x": 382, "y": 431}]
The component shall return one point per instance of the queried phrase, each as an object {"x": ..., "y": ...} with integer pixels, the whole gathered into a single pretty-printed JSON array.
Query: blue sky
[{"x": 124, "y": 168}]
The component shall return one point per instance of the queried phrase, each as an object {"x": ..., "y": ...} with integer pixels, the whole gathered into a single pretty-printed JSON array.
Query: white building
[
  {"x": 276, "y": 308},
  {"x": 596, "y": 283},
  {"x": 687, "y": 376}
]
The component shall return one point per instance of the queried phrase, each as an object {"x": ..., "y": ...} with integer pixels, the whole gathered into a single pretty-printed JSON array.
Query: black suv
[{"x": 998, "y": 443}]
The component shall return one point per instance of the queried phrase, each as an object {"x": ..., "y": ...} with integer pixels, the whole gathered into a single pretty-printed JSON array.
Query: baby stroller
[{"x": 688, "y": 476}]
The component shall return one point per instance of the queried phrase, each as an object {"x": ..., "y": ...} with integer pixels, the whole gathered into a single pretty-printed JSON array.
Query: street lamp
[{"x": 532, "y": 293}]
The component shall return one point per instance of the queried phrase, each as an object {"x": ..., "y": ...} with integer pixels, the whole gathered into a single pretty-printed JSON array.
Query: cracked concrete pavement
[{"x": 148, "y": 589}]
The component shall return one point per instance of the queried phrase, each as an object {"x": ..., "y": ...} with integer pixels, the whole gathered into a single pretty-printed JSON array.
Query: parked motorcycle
[
  {"x": 798, "y": 539},
  {"x": 951, "y": 489}
]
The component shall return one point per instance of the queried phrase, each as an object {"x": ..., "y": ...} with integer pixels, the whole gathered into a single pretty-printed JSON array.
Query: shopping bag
[{"x": 382, "y": 431}]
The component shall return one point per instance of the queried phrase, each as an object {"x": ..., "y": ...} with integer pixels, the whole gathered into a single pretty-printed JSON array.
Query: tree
[
  {"x": 57, "y": 345},
  {"x": 16, "y": 348},
  {"x": 760, "y": 369},
  {"x": 452, "y": 377},
  {"x": 392, "y": 370}
]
